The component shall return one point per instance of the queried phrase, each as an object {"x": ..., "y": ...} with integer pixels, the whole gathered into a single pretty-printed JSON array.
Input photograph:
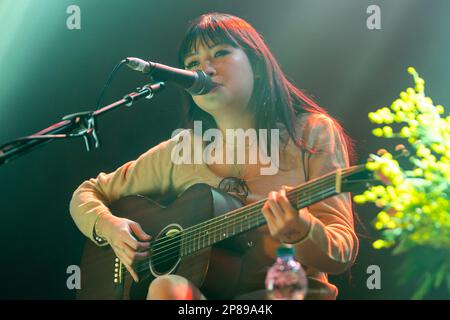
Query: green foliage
[{"x": 415, "y": 201}]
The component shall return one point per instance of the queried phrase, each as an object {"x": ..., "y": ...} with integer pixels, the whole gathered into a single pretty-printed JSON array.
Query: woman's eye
[
  {"x": 194, "y": 63},
  {"x": 191, "y": 64},
  {"x": 221, "y": 53}
]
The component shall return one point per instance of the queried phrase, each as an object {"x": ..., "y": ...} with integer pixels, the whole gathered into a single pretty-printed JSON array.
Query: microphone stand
[{"x": 80, "y": 124}]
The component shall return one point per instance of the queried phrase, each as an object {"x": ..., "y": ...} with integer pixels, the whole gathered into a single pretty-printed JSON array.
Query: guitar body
[{"x": 215, "y": 269}]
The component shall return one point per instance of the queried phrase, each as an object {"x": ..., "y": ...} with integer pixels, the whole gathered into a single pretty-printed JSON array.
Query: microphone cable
[{"x": 108, "y": 82}]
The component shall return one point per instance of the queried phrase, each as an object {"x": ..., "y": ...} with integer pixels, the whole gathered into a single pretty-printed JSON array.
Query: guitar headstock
[{"x": 357, "y": 179}]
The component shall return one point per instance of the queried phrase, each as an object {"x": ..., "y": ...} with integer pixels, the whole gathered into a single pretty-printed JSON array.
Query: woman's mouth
[{"x": 216, "y": 87}]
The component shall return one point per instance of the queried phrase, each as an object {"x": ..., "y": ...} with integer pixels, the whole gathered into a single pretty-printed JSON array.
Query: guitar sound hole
[{"x": 165, "y": 254}]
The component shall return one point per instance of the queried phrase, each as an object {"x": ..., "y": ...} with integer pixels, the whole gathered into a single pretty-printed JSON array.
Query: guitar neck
[{"x": 250, "y": 217}]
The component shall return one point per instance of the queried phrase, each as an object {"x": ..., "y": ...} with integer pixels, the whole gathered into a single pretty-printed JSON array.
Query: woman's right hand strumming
[{"x": 126, "y": 237}]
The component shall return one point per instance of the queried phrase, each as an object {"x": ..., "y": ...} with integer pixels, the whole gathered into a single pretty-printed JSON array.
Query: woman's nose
[{"x": 208, "y": 68}]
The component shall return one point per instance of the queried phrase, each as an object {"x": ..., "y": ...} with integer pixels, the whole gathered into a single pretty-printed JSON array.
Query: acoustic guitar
[{"x": 201, "y": 233}]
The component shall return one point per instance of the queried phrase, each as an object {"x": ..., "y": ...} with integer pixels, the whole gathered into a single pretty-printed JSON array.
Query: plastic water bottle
[{"x": 286, "y": 279}]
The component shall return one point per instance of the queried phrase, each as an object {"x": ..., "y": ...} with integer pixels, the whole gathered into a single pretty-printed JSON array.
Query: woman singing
[{"x": 251, "y": 92}]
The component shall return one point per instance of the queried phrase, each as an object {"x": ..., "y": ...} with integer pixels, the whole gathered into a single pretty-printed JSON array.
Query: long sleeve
[
  {"x": 149, "y": 174},
  {"x": 331, "y": 245}
]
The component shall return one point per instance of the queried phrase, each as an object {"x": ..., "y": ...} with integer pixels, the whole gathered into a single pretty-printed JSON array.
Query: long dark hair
[{"x": 274, "y": 98}]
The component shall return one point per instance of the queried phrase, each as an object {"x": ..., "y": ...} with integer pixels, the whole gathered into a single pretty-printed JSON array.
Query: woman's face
[{"x": 231, "y": 69}]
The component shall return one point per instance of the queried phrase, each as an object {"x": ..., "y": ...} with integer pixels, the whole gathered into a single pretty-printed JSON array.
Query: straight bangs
[{"x": 211, "y": 32}]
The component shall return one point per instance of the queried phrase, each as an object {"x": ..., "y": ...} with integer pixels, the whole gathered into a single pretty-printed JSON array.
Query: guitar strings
[
  {"x": 162, "y": 255},
  {"x": 218, "y": 220},
  {"x": 167, "y": 255},
  {"x": 250, "y": 208},
  {"x": 239, "y": 217},
  {"x": 320, "y": 182},
  {"x": 233, "y": 219},
  {"x": 256, "y": 218}
]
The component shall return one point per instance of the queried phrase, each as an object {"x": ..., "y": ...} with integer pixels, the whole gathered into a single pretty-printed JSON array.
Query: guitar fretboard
[{"x": 250, "y": 217}]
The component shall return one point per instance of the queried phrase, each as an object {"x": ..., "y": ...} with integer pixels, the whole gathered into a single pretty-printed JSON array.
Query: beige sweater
[{"x": 331, "y": 245}]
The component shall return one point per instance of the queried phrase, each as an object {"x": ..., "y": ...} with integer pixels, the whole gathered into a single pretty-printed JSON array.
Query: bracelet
[{"x": 96, "y": 236}]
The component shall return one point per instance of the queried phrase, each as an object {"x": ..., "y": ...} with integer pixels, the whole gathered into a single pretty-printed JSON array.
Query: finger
[
  {"x": 274, "y": 207},
  {"x": 126, "y": 259},
  {"x": 128, "y": 263},
  {"x": 133, "y": 254},
  {"x": 287, "y": 188},
  {"x": 137, "y": 230},
  {"x": 129, "y": 252},
  {"x": 135, "y": 244},
  {"x": 269, "y": 218},
  {"x": 285, "y": 204},
  {"x": 133, "y": 273},
  {"x": 142, "y": 255},
  {"x": 268, "y": 214}
]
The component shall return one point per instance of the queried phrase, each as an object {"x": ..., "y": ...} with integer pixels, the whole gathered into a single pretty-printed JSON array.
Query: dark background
[{"x": 47, "y": 71}]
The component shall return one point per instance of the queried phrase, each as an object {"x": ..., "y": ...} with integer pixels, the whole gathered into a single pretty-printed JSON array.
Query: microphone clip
[{"x": 87, "y": 128}]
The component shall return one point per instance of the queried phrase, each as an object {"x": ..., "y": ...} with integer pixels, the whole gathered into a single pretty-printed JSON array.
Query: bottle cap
[{"x": 285, "y": 251}]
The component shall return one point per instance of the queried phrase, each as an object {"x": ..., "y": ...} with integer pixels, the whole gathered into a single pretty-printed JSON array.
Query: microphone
[{"x": 196, "y": 83}]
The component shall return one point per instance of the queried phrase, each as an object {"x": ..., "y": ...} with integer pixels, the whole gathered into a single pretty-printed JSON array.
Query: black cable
[{"x": 108, "y": 82}]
